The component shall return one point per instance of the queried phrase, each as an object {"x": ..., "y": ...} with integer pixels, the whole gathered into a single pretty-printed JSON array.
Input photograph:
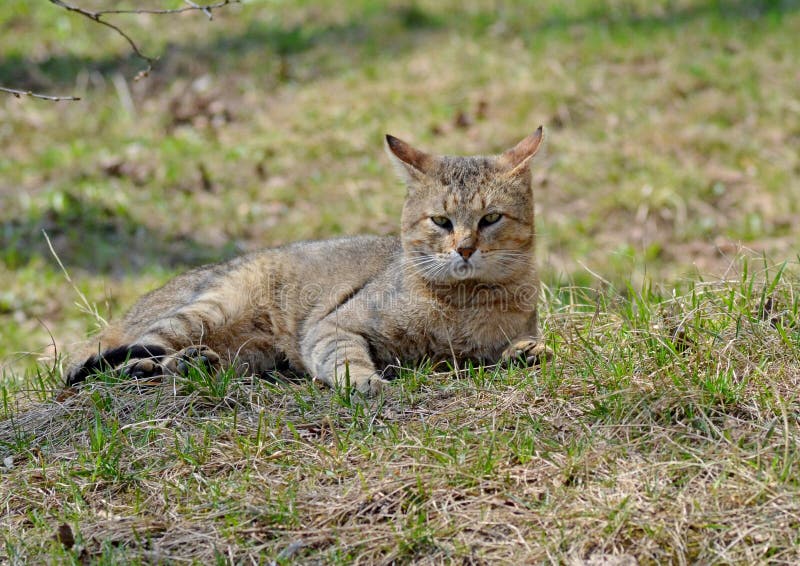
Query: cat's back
[
  {"x": 342, "y": 258},
  {"x": 315, "y": 276},
  {"x": 297, "y": 275}
]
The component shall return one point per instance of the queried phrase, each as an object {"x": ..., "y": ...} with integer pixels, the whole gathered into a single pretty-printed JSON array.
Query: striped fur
[{"x": 459, "y": 284}]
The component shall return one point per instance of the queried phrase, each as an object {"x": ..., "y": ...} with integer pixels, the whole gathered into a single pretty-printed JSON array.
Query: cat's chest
[
  {"x": 469, "y": 331},
  {"x": 481, "y": 327}
]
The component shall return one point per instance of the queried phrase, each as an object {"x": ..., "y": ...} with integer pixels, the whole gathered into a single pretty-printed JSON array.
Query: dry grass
[
  {"x": 637, "y": 444},
  {"x": 666, "y": 429}
]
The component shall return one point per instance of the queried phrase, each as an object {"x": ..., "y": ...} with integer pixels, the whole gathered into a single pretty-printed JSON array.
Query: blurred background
[{"x": 673, "y": 133}]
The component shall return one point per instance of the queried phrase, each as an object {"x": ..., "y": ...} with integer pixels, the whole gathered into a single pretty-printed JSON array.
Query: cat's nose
[{"x": 465, "y": 252}]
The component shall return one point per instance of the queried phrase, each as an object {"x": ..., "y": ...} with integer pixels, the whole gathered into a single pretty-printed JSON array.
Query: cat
[{"x": 459, "y": 283}]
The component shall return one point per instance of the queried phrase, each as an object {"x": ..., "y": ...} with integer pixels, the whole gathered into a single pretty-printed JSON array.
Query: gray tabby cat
[{"x": 460, "y": 283}]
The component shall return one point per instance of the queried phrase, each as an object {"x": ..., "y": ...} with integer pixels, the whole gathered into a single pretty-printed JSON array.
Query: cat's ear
[
  {"x": 412, "y": 164},
  {"x": 516, "y": 159}
]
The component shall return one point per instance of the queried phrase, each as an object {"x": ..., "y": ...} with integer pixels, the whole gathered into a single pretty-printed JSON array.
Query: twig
[
  {"x": 21, "y": 93},
  {"x": 205, "y": 9},
  {"x": 97, "y": 17},
  {"x": 190, "y": 7}
]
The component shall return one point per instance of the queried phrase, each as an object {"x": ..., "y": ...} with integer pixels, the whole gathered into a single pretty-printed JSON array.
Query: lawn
[{"x": 664, "y": 430}]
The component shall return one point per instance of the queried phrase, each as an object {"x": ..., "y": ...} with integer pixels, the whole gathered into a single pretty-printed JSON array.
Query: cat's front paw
[
  {"x": 372, "y": 386},
  {"x": 368, "y": 384},
  {"x": 530, "y": 352},
  {"x": 199, "y": 357}
]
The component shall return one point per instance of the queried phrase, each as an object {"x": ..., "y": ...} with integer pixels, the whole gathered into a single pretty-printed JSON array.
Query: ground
[{"x": 664, "y": 430}]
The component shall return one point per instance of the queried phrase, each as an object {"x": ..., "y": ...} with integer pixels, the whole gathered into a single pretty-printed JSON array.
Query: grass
[{"x": 665, "y": 429}]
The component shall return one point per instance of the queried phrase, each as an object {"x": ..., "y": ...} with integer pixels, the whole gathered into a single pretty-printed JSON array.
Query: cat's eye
[
  {"x": 490, "y": 218},
  {"x": 442, "y": 221}
]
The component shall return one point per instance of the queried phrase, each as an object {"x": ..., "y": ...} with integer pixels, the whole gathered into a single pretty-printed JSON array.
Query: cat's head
[{"x": 467, "y": 218}]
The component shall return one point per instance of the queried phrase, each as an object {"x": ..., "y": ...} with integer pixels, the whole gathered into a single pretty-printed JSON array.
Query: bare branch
[
  {"x": 97, "y": 16},
  {"x": 190, "y": 7},
  {"x": 206, "y": 10},
  {"x": 21, "y": 93}
]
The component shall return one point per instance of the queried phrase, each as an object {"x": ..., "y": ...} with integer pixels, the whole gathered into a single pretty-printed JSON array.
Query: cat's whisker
[
  {"x": 422, "y": 264},
  {"x": 508, "y": 261},
  {"x": 419, "y": 265},
  {"x": 430, "y": 270},
  {"x": 440, "y": 270}
]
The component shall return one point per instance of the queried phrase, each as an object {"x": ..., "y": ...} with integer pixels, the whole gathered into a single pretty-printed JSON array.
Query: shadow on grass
[
  {"x": 223, "y": 51},
  {"x": 89, "y": 236},
  {"x": 632, "y": 17},
  {"x": 377, "y": 30}
]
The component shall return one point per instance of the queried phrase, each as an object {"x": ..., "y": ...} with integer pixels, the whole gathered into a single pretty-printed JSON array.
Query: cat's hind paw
[
  {"x": 131, "y": 360},
  {"x": 527, "y": 352},
  {"x": 141, "y": 369},
  {"x": 198, "y": 357}
]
